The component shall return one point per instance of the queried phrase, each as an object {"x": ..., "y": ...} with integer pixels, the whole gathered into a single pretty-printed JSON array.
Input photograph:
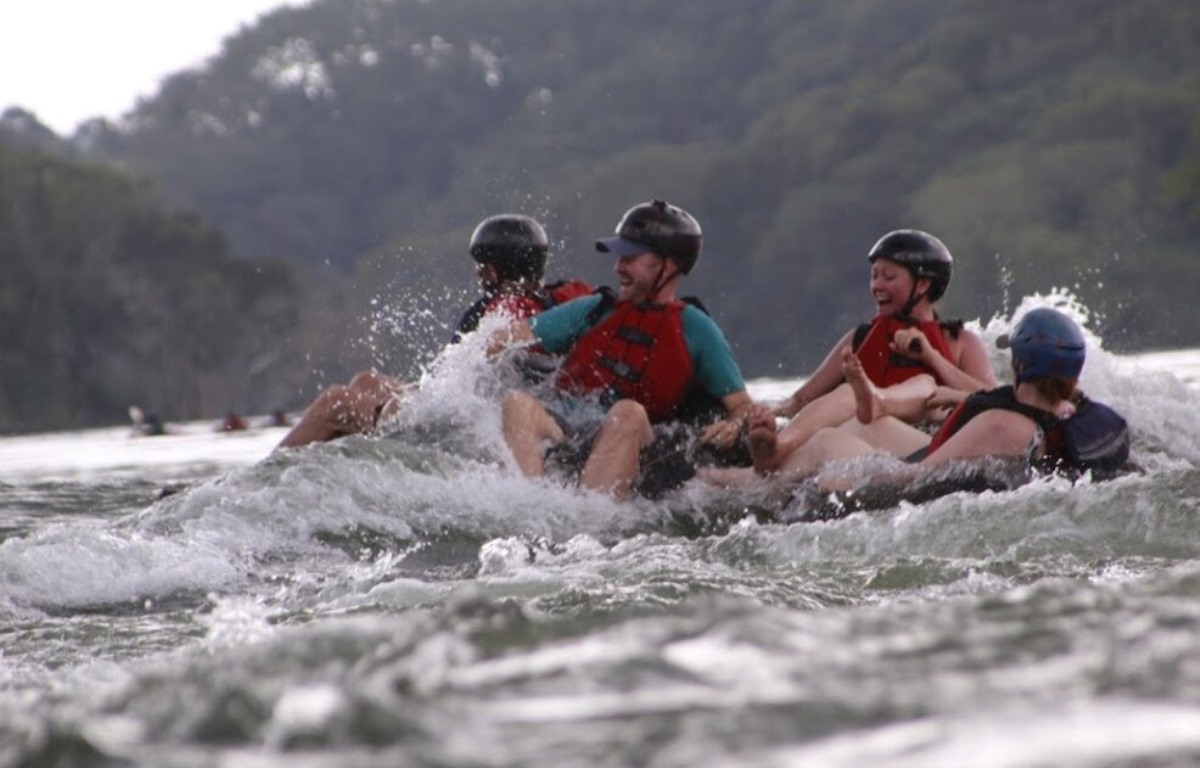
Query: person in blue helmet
[{"x": 1043, "y": 418}]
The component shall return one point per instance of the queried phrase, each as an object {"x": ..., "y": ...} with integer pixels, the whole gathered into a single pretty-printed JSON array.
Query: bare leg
[
  {"x": 613, "y": 464},
  {"x": 888, "y": 433},
  {"x": 867, "y": 405},
  {"x": 830, "y": 444},
  {"x": 526, "y": 424},
  {"x": 850, "y": 439},
  {"x": 348, "y": 409},
  {"x": 905, "y": 400},
  {"x": 827, "y": 445},
  {"x": 828, "y": 410},
  {"x": 874, "y": 408}
]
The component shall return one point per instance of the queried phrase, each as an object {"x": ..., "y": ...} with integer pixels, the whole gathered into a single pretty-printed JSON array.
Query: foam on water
[{"x": 1098, "y": 733}]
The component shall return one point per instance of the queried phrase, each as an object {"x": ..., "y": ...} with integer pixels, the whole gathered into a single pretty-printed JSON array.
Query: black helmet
[
  {"x": 665, "y": 229},
  {"x": 515, "y": 245},
  {"x": 922, "y": 253}
]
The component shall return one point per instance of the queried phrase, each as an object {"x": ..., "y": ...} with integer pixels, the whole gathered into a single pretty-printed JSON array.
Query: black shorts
[
  {"x": 667, "y": 462},
  {"x": 580, "y": 422}
]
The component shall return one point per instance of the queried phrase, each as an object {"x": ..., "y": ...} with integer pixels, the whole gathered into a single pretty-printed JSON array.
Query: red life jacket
[
  {"x": 520, "y": 306},
  {"x": 525, "y": 306},
  {"x": 564, "y": 290},
  {"x": 638, "y": 352},
  {"x": 883, "y": 366}
]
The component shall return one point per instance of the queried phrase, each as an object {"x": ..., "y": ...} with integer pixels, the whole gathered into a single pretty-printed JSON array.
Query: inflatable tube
[{"x": 809, "y": 503}]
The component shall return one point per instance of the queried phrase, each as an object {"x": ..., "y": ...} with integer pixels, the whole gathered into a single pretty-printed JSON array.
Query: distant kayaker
[
  {"x": 279, "y": 418},
  {"x": 153, "y": 426},
  {"x": 233, "y": 422},
  {"x": 146, "y": 424}
]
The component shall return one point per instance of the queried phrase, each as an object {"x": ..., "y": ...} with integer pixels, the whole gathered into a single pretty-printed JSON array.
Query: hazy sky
[{"x": 69, "y": 60}]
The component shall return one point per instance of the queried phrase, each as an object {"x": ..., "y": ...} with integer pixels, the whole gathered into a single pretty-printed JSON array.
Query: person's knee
[
  {"x": 629, "y": 412},
  {"x": 340, "y": 406},
  {"x": 522, "y": 414},
  {"x": 365, "y": 381},
  {"x": 517, "y": 404},
  {"x": 629, "y": 417},
  {"x": 335, "y": 397},
  {"x": 520, "y": 409}
]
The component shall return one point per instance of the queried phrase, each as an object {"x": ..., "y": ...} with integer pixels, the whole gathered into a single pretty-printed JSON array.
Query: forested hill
[
  {"x": 108, "y": 299},
  {"x": 1050, "y": 144}
]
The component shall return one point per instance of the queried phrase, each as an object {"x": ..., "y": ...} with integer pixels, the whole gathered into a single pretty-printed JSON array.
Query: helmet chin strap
[
  {"x": 914, "y": 298},
  {"x": 659, "y": 282}
]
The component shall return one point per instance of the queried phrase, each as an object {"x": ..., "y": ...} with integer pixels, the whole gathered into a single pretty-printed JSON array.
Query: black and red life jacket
[
  {"x": 520, "y": 306},
  {"x": 883, "y": 366},
  {"x": 1094, "y": 438},
  {"x": 637, "y": 351},
  {"x": 562, "y": 291}
]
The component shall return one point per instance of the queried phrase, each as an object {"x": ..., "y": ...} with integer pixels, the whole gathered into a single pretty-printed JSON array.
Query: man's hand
[
  {"x": 723, "y": 434},
  {"x": 726, "y": 433},
  {"x": 515, "y": 333}
]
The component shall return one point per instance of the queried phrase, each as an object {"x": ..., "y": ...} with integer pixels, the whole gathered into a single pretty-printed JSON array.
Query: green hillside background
[{"x": 298, "y": 207}]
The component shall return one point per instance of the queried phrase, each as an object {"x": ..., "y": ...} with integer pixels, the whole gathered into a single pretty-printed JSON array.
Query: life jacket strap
[
  {"x": 621, "y": 369},
  {"x": 634, "y": 336}
]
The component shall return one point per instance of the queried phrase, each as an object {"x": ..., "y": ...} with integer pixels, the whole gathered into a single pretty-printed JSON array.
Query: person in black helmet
[
  {"x": 510, "y": 252},
  {"x": 907, "y": 348},
  {"x": 1042, "y": 418},
  {"x": 633, "y": 360}
]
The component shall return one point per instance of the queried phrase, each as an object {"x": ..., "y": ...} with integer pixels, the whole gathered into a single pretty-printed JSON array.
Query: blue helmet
[{"x": 1046, "y": 343}]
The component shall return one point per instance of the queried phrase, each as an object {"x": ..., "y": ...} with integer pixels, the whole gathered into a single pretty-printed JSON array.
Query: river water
[{"x": 409, "y": 601}]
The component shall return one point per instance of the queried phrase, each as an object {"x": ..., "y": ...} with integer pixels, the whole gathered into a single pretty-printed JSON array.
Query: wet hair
[{"x": 1055, "y": 387}]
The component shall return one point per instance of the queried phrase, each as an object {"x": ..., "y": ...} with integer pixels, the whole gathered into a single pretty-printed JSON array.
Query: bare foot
[
  {"x": 867, "y": 404},
  {"x": 764, "y": 444}
]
